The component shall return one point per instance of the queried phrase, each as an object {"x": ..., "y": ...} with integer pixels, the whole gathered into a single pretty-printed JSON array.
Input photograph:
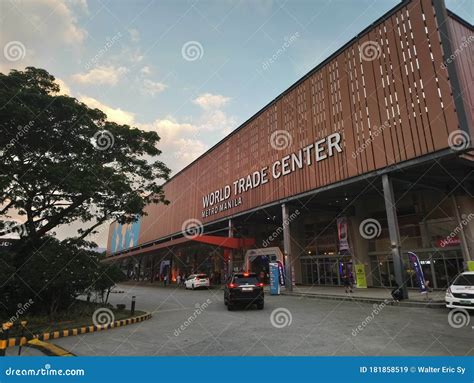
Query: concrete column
[
  {"x": 230, "y": 253},
  {"x": 297, "y": 243},
  {"x": 287, "y": 246},
  {"x": 463, "y": 207},
  {"x": 394, "y": 233}
]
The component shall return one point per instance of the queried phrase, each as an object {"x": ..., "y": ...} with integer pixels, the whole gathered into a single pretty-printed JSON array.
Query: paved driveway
[{"x": 287, "y": 326}]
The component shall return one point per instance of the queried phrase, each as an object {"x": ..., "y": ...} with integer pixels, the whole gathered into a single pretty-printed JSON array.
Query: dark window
[
  {"x": 245, "y": 280},
  {"x": 464, "y": 280}
]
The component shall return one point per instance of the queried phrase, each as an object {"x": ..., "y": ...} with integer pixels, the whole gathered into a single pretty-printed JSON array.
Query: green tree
[
  {"x": 61, "y": 161},
  {"x": 109, "y": 275}
]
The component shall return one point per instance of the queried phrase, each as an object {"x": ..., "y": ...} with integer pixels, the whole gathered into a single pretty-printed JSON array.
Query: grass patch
[{"x": 77, "y": 315}]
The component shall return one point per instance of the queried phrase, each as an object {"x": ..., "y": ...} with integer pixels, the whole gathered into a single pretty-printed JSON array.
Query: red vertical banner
[{"x": 343, "y": 234}]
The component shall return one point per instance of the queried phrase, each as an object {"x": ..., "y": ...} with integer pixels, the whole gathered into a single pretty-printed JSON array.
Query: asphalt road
[{"x": 288, "y": 325}]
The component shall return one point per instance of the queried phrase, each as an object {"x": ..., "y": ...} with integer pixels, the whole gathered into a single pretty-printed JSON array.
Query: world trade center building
[{"x": 369, "y": 156}]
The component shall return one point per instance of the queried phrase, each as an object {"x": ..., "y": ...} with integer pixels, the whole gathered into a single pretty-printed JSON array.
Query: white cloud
[
  {"x": 187, "y": 150},
  {"x": 146, "y": 70},
  {"x": 134, "y": 35},
  {"x": 211, "y": 101},
  {"x": 169, "y": 129},
  {"x": 178, "y": 141},
  {"x": 63, "y": 88},
  {"x": 217, "y": 120},
  {"x": 109, "y": 75},
  {"x": 152, "y": 88},
  {"x": 82, "y": 4},
  {"x": 134, "y": 55},
  {"x": 113, "y": 114},
  {"x": 43, "y": 27}
]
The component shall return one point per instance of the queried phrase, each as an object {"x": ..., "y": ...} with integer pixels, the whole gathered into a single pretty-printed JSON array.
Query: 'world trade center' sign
[{"x": 230, "y": 196}]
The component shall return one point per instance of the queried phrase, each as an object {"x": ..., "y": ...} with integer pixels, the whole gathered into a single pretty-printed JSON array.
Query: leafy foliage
[
  {"x": 54, "y": 275},
  {"x": 61, "y": 161}
]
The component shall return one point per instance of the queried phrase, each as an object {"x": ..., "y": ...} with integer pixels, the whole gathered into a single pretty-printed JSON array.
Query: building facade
[{"x": 367, "y": 157}]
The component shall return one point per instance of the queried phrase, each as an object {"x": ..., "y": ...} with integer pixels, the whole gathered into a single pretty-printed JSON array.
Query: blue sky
[
  {"x": 126, "y": 57},
  {"x": 130, "y": 58}
]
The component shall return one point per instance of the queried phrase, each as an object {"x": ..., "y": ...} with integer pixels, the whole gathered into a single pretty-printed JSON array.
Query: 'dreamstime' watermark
[
  {"x": 281, "y": 317},
  {"x": 103, "y": 140},
  {"x": 370, "y": 228},
  {"x": 14, "y": 51},
  {"x": 465, "y": 219},
  {"x": 192, "y": 51},
  {"x": 111, "y": 41},
  {"x": 102, "y": 317},
  {"x": 22, "y": 308},
  {"x": 369, "y": 318},
  {"x": 198, "y": 311},
  {"x": 464, "y": 44},
  {"x": 192, "y": 228},
  {"x": 459, "y": 318},
  {"x": 22, "y": 130},
  {"x": 289, "y": 41},
  {"x": 12, "y": 227},
  {"x": 373, "y": 134},
  {"x": 274, "y": 235}
]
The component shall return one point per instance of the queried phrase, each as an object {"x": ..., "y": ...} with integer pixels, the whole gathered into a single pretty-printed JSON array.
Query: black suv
[{"x": 244, "y": 288}]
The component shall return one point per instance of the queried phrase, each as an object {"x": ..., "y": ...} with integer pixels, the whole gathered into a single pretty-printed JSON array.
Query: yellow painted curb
[
  {"x": 11, "y": 342},
  {"x": 48, "y": 348}
]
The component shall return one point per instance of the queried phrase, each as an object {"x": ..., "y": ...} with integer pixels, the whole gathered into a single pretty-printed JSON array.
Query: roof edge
[
  {"x": 380, "y": 20},
  {"x": 464, "y": 22}
]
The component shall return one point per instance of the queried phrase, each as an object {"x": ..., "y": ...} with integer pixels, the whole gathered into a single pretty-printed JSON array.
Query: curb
[
  {"x": 431, "y": 305},
  {"x": 48, "y": 349},
  {"x": 21, "y": 341}
]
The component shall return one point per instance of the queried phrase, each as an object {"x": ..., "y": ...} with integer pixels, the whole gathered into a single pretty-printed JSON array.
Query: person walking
[{"x": 347, "y": 280}]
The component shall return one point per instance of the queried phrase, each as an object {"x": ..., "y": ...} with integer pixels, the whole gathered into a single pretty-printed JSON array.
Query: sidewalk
[
  {"x": 435, "y": 299},
  {"x": 378, "y": 295}
]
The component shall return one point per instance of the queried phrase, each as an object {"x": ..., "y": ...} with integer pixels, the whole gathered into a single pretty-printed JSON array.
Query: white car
[
  {"x": 461, "y": 293},
  {"x": 196, "y": 280}
]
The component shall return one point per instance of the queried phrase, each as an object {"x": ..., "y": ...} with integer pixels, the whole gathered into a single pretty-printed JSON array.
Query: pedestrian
[
  {"x": 396, "y": 293},
  {"x": 178, "y": 280},
  {"x": 347, "y": 282}
]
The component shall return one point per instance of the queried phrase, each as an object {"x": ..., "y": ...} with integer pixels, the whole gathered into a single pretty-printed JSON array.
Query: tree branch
[{"x": 91, "y": 229}]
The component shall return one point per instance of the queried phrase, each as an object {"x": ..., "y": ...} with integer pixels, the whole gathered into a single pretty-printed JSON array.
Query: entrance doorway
[
  {"x": 440, "y": 267},
  {"x": 258, "y": 261},
  {"x": 328, "y": 271}
]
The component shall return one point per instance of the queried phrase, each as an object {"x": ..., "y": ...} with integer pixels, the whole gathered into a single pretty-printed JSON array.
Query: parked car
[
  {"x": 196, "y": 280},
  {"x": 245, "y": 289},
  {"x": 461, "y": 292}
]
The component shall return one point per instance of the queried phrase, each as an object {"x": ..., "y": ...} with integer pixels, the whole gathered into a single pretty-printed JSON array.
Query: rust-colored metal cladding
[
  {"x": 462, "y": 54},
  {"x": 382, "y": 99}
]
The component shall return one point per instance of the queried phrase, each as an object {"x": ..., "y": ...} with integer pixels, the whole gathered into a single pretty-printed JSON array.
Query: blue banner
[
  {"x": 291, "y": 369},
  {"x": 282, "y": 273},
  {"x": 418, "y": 271},
  {"x": 274, "y": 279}
]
